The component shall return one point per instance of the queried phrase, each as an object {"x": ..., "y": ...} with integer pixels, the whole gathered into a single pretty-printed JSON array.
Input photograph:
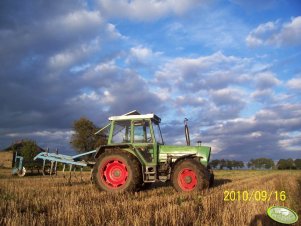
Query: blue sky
[{"x": 231, "y": 67}]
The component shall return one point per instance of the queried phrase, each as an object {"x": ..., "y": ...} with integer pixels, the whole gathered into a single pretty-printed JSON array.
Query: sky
[{"x": 231, "y": 67}]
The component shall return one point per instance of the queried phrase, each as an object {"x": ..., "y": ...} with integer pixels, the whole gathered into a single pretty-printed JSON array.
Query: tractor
[{"x": 135, "y": 156}]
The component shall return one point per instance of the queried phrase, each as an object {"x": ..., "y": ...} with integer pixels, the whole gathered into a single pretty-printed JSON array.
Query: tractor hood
[{"x": 177, "y": 151}]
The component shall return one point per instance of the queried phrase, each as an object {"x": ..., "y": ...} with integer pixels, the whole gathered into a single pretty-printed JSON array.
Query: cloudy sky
[{"x": 231, "y": 67}]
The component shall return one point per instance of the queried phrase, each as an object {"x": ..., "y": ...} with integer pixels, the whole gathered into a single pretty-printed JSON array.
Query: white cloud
[
  {"x": 105, "y": 67},
  {"x": 44, "y": 133},
  {"x": 263, "y": 31},
  {"x": 182, "y": 66},
  {"x": 294, "y": 83},
  {"x": 290, "y": 141},
  {"x": 96, "y": 98},
  {"x": 113, "y": 32},
  {"x": 142, "y": 55},
  {"x": 145, "y": 10},
  {"x": 266, "y": 80},
  {"x": 216, "y": 146},
  {"x": 276, "y": 34},
  {"x": 227, "y": 96},
  {"x": 263, "y": 95},
  {"x": 162, "y": 93},
  {"x": 69, "y": 57},
  {"x": 256, "y": 134},
  {"x": 78, "y": 20},
  {"x": 189, "y": 100}
]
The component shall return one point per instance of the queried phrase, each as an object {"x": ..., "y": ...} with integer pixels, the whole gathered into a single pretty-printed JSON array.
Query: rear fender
[
  {"x": 123, "y": 147},
  {"x": 101, "y": 149}
]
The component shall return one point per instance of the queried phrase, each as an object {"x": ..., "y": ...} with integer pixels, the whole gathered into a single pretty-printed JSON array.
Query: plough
[{"x": 73, "y": 162}]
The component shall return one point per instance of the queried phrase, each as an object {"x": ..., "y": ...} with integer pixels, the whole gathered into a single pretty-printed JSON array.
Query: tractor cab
[{"x": 141, "y": 132}]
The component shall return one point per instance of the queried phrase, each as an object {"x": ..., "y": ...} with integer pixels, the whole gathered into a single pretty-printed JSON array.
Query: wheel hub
[
  {"x": 114, "y": 173},
  {"x": 187, "y": 179}
]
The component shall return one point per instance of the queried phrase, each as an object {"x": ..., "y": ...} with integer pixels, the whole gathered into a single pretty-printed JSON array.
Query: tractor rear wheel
[
  {"x": 189, "y": 175},
  {"x": 117, "y": 171}
]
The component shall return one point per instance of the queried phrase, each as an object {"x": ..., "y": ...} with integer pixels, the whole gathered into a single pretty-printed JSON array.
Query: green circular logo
[{"x": 282, "y": 214}]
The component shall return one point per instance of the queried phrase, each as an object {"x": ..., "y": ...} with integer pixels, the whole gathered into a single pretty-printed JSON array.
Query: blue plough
[{"x": 73, "y": 161}]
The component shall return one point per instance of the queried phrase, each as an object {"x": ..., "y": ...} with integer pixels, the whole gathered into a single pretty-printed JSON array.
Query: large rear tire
[
  {"x": 117, "y": 171},
  {"x": 189, "y": 175}
]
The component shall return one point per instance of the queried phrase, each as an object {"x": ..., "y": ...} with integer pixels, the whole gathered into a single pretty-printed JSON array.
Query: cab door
[{"x": 143, "y": 141}]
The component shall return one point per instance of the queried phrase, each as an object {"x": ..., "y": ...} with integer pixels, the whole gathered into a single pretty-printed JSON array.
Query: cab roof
[{"x": 135, "y": 115}]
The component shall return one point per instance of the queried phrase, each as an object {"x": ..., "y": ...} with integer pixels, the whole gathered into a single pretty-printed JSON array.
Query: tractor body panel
[{"x": 201, "y": 152}]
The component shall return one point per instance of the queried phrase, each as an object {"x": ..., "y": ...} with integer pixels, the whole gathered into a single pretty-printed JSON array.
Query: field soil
[{"x": 237, "y": 198}]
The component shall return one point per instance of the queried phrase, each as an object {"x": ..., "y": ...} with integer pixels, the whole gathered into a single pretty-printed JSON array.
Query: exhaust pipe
[{"x": 186, "y": 132}]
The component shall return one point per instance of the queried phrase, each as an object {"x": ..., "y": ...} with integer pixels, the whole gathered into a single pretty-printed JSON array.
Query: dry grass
[
  {"x": 37, "y": 200},
  {"x": 6, "y": 159}
]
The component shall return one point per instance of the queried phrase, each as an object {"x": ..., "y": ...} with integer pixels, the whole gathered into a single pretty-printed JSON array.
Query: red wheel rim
[
  {"x": 187, "y": 179},
  {"x": 114, "y": 173}
]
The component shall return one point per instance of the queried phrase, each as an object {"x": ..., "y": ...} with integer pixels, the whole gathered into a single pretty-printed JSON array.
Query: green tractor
[{"x": 135, "y": 156}]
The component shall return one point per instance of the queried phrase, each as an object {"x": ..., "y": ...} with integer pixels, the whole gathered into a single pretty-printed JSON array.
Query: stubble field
[{"x": 38, "y": 200}]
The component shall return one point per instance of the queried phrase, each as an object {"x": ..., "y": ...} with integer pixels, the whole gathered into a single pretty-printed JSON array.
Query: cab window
[
  {"x": 157, "y": 132},
  {"x": 142, "y": 132},
  {"x": 121, "y": 132}
]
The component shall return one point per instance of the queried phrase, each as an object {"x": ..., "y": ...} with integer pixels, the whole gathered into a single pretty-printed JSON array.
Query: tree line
[
  {"x": 223, "y": 163},
  {"x": 259, "y": 163}
]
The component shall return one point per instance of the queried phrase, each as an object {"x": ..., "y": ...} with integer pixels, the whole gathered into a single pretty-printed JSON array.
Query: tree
[
  {"x": 251, "y": 164},
  {"x": 291, "y": 164},
  {"x": 298, "y": 163},
  {"x": 241, "y": 164},
  {"x": 238, "y": 164},
  {"x": 229, "y": 164},
  {"x": 222, "y": 164},
  {"x": 261, "y": 163},
  {"x": 214, "y": 163},
  {"x": 28, "y": 149},
  {"x": 268, "y": 164},
  {"x": 84, "y": 138},
  {"x": 285, "y": 164}
]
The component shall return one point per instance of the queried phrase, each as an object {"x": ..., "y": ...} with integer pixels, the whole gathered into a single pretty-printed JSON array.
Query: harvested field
[{"x": 37, "y": 200}]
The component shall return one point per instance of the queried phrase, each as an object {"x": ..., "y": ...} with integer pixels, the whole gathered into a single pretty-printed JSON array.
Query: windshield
[
  {"x": 157, "y": 132},
  {"x": 121, "y": 133}
]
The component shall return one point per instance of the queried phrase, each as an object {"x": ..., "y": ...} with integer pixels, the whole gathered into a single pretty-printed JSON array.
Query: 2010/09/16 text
[{"x": 231, "y": 196}]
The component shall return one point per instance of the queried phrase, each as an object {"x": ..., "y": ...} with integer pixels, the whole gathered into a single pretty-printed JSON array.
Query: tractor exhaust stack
[{"x": 187, "y": 132}]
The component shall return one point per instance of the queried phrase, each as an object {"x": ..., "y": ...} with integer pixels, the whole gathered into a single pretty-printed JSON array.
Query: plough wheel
[
  {"x": 22, "y": 172},
  {"x": 117, "y": 171}
]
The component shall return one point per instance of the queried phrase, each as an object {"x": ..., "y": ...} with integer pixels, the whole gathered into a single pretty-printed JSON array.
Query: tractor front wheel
[
  {"x": 189, "y": 175},
  {"x": 117, "y": 171}
]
